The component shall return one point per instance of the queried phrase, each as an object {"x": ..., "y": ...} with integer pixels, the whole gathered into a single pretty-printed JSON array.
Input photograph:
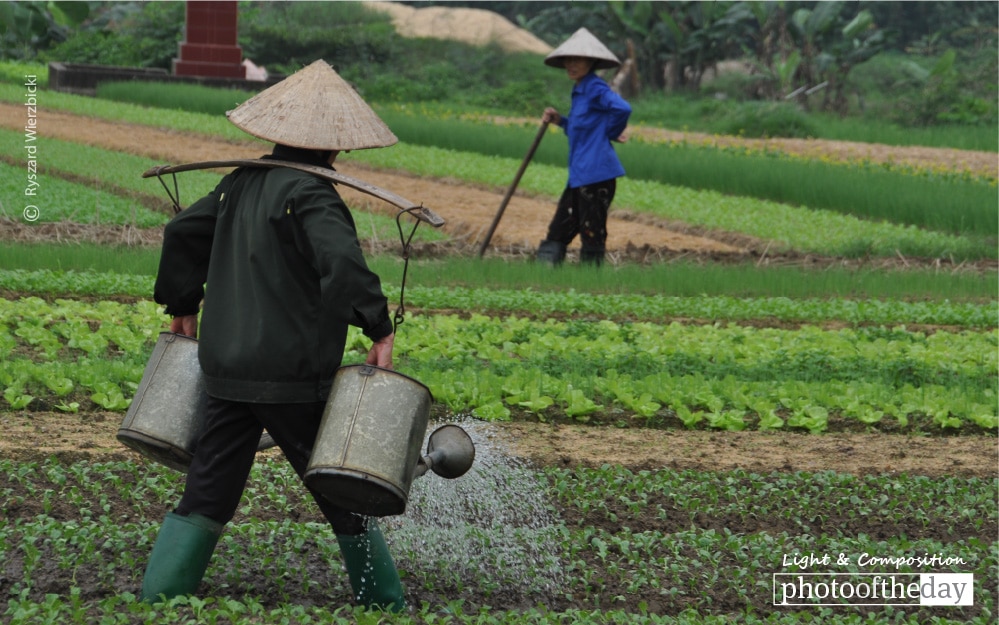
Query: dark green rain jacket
[{"x": 273, "y": 252}]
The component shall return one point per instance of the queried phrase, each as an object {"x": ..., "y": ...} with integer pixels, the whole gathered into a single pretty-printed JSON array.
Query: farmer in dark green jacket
[{"x": 273, "y": 255}]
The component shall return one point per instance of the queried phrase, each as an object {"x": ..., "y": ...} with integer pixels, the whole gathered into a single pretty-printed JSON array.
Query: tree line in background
[
  {"x": 942, "y": 54},
  {"x": 792, "y": 49}
]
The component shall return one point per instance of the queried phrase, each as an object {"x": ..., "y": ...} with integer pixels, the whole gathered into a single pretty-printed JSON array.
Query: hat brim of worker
[
  {"x": 316, "y": 109},
  {"x": 583, "y": 44}
]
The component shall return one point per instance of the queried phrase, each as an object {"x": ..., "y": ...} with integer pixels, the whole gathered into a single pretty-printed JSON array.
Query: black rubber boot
[
  {"x": 372, "y": 572},
  {"x": 551, "y": 252},
  {"x": 591, "y": 257},
  {"x": 180, "y": 556}
]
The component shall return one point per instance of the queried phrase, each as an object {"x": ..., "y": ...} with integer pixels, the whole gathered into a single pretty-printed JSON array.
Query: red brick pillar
[{"x": 209, "y": 47}]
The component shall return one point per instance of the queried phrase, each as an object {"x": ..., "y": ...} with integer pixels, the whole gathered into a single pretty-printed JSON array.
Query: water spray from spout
[{"x": 494, "y": 526}]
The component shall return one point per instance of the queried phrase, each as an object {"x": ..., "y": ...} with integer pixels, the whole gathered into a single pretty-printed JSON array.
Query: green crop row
[
  {"x": 712, "y": 309},
  {"x": 109, "y": 169},
  {"x": 720, "y": 376},
  {"x": 789, "y": 227},
  {"x": 48, "y": 327},
  {"x": 61, "y": 200},
  {"x": 529, "y": 302},
  {"x": 870, "y": 192},
  {"x": 76, "y": 536}
]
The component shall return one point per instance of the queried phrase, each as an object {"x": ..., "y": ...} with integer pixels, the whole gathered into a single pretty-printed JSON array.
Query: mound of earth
[{"x": 474, "y": 26}]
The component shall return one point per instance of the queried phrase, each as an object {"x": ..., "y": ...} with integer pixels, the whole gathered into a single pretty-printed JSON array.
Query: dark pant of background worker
[{"x": 581, "y": 211}]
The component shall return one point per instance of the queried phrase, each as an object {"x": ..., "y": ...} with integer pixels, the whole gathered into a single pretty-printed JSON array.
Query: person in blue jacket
[{"x": 597, "y": 117}]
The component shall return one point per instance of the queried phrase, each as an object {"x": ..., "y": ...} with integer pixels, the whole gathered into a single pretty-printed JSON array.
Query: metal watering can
[
  {"x": 167, "y": 414},
  {"x": 366, "y": 455}
]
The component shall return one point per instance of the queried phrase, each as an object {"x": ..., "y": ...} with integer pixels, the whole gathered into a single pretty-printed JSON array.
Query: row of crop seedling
[
  {"x": 869, "y": 314},
  {"x": 66, "y": 327},
  {"x": 723, "y": 492},
  {"x": 71, "y": 611},
  {"x": 946, "y": 506},
  {"x": 279, "y": 560},
  {"x": 461, "y": 160},
  {"x": 800, "y": 229},
  {"x": 730, "y": 377}
]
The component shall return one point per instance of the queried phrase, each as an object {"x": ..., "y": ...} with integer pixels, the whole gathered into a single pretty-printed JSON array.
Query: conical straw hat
[
  {"x": 583, "y": 43},
  {"x": 314, "y": 108}
]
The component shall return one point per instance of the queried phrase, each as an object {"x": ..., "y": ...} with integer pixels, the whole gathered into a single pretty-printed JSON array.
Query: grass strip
[
  {"x": 865, "y": 191},
  {"x": 692, "y": 279},
  {"x": 876, "y": 242},
  {"x": 788, "y": 227},
  {"x": 678, "y": 279}
]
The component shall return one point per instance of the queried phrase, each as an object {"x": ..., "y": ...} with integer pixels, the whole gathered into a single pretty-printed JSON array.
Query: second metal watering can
[{"x": 367, "y": 453}]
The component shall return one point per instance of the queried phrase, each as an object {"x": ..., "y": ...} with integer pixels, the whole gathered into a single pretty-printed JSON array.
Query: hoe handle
[{"x": 513, "y": 187}]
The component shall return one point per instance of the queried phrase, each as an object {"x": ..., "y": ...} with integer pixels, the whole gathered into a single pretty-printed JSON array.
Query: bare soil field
[{"x": 35, "y": 435}]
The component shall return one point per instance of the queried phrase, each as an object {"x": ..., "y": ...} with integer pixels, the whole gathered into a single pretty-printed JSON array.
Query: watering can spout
[{"x": 450, "y": 453}]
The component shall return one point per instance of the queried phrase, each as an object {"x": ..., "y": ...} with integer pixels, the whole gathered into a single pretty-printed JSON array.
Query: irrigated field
[{"x": 645, "y": 457}]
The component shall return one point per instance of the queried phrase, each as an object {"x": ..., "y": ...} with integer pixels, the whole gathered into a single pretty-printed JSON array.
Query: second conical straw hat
[
  {"x": 583, "y": 43},
  {"x": 314, "y": 108}
]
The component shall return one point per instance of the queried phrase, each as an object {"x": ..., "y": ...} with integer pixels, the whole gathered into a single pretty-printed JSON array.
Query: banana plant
[
  {"x": 26, "y": 27},
  {"x": 922, "y": 75},
  {"x": 676, "y": 42},
  {"x": 830, "y": 51}
]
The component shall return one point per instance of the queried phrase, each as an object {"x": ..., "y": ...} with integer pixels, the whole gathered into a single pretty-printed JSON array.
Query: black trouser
[
  {"x": 583, "y": 211},
  {"x": 224, "y": 456}
]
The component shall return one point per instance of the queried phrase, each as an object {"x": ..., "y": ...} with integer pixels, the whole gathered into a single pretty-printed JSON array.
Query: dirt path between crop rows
[
  {"x": 468, "y": 210},
  {"x": 972, "y": 162},
  {"x": 37, "y": 435}
]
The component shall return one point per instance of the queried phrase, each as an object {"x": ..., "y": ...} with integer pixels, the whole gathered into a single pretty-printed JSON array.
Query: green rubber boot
[
  {"x": 180, "y": 556},
  {"x": 551, "y": 253},
  {"x": 371, "y": 570}
]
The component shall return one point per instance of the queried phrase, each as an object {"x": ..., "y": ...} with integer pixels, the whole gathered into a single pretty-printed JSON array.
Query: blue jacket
[{"x": 597, "y": 116}]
